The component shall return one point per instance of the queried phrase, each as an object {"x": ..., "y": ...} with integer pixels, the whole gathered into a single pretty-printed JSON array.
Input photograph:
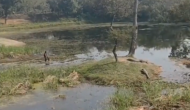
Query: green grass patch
[
  {"x": 14, "y": 51},
  {"x": 123, "y": 99},
  {"x": 158, "y": 95},
  {"x": 107, "y": 72},
  {"x": 7, "y": 28},
  {"x": 15, "y": 75}
]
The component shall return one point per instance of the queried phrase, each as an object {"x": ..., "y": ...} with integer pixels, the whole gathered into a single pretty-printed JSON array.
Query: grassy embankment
[
  {"x": 11, "y": 52},
  {"x": 68, "y": 24}
]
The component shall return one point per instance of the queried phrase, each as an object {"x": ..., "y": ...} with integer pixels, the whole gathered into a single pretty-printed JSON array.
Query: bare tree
[
  {"x": 133, "y": 45},
  {"x": 118, "y": 9}
]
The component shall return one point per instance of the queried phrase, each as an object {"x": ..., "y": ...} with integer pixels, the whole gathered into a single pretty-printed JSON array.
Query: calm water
[{"x": 95, "y": 44}]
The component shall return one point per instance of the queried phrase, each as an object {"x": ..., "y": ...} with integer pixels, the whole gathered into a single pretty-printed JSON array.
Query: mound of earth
[
  {"x": 8, "y": 42},
  {"x": 125, "y": 71},
  {"x": 155, "y": 68}
]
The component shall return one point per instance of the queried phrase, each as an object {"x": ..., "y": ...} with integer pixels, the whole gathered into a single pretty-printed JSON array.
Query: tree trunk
[
  {"x": 133, "y": 45},
  {"x": 5, "y": 19},
  {"x": 115, "y": 46},
  {"x": 112, "y": 21},
  {"x": 6, "y": 15}
]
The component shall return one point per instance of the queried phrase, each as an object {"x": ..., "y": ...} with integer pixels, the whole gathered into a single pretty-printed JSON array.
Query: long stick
[{"x": 114, "y": 50}]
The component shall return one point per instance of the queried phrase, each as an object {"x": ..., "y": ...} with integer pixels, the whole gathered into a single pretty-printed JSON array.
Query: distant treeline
[{"x": 96, "y": 10}]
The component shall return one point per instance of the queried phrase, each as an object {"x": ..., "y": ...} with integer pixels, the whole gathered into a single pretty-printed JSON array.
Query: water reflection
[
  {"x": 158, "y": 37},
  {"x": 162, "y": 36},
  {"x": 181, "y": 49}
]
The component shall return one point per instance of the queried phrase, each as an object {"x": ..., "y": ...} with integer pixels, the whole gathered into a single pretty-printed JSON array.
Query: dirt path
[
  {"x": 14, "y": 21},
  {"x": 8, "y": 42}
]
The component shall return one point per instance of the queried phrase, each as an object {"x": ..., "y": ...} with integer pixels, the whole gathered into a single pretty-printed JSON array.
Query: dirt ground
[
  {"x": 9, "y": 42},
  {"x": 14, "y": 21}
]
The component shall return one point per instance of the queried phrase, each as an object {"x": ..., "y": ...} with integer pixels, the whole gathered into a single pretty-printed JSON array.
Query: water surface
[{"x": 83, "y": 97}]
